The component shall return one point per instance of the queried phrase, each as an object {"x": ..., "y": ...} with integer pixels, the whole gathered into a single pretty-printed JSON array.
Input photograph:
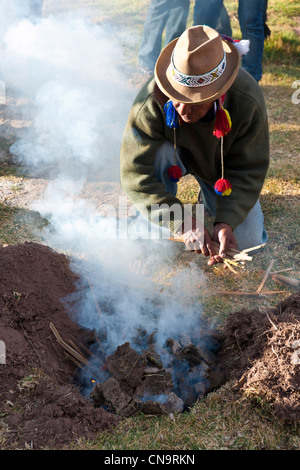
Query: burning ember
[{"x": 152, "y": 379}]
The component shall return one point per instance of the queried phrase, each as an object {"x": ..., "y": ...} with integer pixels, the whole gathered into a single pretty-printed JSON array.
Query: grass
[
  {"x": 18, "y": 225},
  {"x": 216, "y": 422},
  {"x": 220, "y": 420}
]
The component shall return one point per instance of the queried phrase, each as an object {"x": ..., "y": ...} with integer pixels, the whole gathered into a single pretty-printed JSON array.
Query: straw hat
[{"x": 197, "y": 67}]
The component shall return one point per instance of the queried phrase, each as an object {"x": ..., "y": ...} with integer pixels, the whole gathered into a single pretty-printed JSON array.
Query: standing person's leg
[
  {"x": 28, "y": 8},
  {"x": 36, "y": 7},
  {"x": 223, "y": 25},
  {"x": 177, "y": 20},
  {"x": 267, "y": 31},
  {"x": 22, "y": 8},
  {"x": 155, "y": 23},
  {"x": 207, "y": 12},
  {"x": 251, "y": 18}
]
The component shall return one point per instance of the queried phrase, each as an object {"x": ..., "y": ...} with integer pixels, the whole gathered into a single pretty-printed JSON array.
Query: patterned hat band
[{"x": 198, "y": 80}]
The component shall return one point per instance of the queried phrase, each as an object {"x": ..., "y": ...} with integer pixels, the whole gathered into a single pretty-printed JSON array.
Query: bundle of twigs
[
  {"x": 73, "y": 351},
  {"x": 238, "y": 259},
  {"x": 234, "y": 257}
]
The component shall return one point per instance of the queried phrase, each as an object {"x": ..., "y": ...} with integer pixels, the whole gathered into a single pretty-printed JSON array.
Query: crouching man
[{"x": 202, "y": 115}]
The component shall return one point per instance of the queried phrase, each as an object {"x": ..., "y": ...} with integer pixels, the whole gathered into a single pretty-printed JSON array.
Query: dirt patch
[
  {"x": 39, "y": 404},
  {"x": 261, "y": 353}
]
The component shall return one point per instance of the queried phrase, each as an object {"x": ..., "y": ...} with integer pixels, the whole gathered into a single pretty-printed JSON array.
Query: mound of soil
[
  {"x": 261, "y": 353},
  {"x": 38, "y": 402}
]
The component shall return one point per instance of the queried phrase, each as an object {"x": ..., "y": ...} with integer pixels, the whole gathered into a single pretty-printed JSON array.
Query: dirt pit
[{"x": 41, "y": 407}]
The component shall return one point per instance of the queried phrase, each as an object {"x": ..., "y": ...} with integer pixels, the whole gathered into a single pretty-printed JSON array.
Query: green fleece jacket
[{"x": 246, "y": 152}]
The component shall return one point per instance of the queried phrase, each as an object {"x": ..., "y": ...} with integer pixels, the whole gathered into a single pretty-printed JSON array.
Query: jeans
[
  {"x": 251, "y": 18},
  {"x": 252, "y": 14},
  {"x": 249, "y": 233},
  {"x": 28, "y": 8},
  {"x": 212, "y": 13},
  {"x": 170, "y": 15}
]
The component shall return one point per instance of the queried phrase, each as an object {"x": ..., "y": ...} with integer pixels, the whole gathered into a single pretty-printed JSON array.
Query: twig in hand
[
  {"x": 235, "y": 254},
  {"x": 247, "y": 250},
  {"x": 228, "y": 264}
]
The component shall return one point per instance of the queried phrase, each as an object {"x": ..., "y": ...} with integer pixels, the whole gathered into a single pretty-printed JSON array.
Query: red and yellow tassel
[
  {"x": 223, "y": 187},
  {"x": 222, "y": 127},
  {"x": 222, "y": 123}
]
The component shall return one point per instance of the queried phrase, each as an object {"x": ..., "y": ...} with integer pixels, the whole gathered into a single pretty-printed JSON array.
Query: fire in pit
[
  {"x": 144, "y": 376},
  {"x": 151, "y": 351}
]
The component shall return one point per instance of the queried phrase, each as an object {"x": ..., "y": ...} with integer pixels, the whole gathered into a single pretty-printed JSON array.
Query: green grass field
[{"x": 220, "y": 420}]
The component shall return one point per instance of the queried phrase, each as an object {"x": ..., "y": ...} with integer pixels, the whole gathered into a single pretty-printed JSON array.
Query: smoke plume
[{"x": 73, "y": 75}]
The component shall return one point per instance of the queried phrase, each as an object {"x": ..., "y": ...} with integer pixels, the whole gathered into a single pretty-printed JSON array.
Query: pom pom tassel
[
  {"x": 222, "y": 123},
  {"x": 175, "y": 173},
  {"x": 222, "y": 127},
  {"x": 173, "y": 121},
  {"x": 222, "y": 187},
  {"x": 172, "y": 118},
  {"x": 242, "y": 46}
]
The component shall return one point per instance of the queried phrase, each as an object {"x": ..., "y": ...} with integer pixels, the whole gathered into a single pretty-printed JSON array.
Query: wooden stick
[
  {"x": 261, "y": 285},
  {"x": 235, "y": 254},
  {"x": 250, "y": 293},
  {"x": 234, "y": 263},
  {"x": 285, "y": 280},
  {"x": 272, "y": 323},
  {"x": 292, "y": 281},
  {"x": 74, "y": 346},
  {"x": 225, "y": 261},
  {"x": 67, "y": 347},
  {"x": 282, "y": 271},
  {"x": 247, "y": 250}
]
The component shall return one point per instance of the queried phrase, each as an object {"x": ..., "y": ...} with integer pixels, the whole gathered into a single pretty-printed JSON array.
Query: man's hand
[
  {"x": 223, "y": 234},
  {"x": 198, "y": 239}
]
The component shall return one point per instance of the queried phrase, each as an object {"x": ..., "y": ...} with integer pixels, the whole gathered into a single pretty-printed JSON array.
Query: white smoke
[
  {"x": 74, "y": 75},
  {"x": 80, "y": 97}
]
